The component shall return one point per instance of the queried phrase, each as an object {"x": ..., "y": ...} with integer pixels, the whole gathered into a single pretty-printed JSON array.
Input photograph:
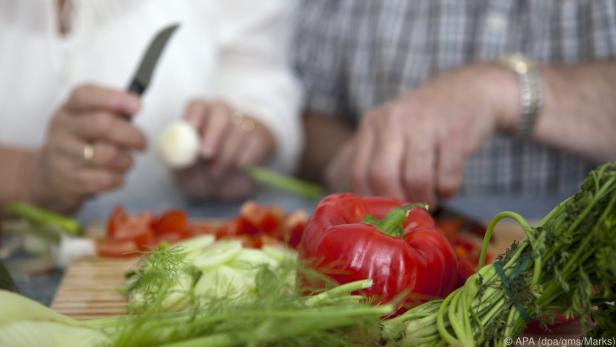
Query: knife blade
[
  {"x": 6, "y": 281},
  {"x": 141, "y": 80}
]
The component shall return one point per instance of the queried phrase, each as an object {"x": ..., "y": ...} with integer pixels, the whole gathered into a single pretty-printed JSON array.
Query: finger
[
  {"x": 90, "y": 97},
  {"x": 215, "y": 127},
  {"x": 93, "y": 181},
  {"x": 364, "y": 143},
  {"x": 104, "y": 155},
  {"x": 234, "y": 187},
  {"x": 230, "y": 151},
  {"x": 196, "y": 112},
  {"x": 195, "y": 182},
  {"x": 104, "y": 126},
  {"x": 449, "y": 169},
  {"x": 337, "y": 174},
  {"x": 335, "y": 177},
  {"x": 77, "y": 180},
  {"x": 419, "y": 165},
  {"x": 252, "y": 151},
  {"x": 385, "y": 170}
]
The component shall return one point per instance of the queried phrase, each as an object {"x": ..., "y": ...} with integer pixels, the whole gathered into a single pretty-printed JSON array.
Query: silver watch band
[{"x": 531, "y": 92}]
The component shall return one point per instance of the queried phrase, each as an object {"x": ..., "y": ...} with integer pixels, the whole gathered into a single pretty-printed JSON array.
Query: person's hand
[
  {"x": 415, "y": 146},
  {"x": 88, "y": 148},
  {"x": 338, "y": 174},
  {"x": 229, "y": 142}
]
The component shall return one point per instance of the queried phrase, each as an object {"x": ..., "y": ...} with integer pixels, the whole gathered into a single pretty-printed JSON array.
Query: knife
[
  {"x": 6, "y": 281},
  {"x": 141, "y": 80}
]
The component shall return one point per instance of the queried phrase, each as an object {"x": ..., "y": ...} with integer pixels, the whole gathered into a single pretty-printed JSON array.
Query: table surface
[{"x": 42, "y": 287}]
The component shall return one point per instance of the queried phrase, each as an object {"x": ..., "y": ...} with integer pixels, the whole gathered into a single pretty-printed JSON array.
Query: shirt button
[{"x": 496, "y": 21}]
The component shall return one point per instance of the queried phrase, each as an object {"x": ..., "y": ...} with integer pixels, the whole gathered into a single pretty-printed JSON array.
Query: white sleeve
[{"x": 254, "y": 72}]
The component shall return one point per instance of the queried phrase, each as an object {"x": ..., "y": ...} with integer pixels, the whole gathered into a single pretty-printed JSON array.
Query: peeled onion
[{"x": 179, "y": 144}]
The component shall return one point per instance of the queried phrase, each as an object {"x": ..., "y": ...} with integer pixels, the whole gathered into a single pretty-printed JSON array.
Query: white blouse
[{"x": 234, "y": 50}]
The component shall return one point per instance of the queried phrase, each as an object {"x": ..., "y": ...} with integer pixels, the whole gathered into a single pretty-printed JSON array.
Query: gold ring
[
  {"x": 88, "y": 153},
  {"x": 245, "y": 123}
]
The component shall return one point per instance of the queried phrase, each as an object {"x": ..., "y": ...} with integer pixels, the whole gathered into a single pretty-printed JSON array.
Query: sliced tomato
[
  {"x": 138, "y": 229},
  {"x": 118, "y": 217},
  {"x": 240, "y": 226},
  {"x": 267, "y": 240},
  {"x": 293, "y": 228},
  {"x": 264, "y": 219},
  {"x": 116, "y": 248},
  {"x": 172, "y": 222}
]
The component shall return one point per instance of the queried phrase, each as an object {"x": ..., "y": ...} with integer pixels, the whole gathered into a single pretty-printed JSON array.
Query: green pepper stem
[{"x": 392, "y": 223}]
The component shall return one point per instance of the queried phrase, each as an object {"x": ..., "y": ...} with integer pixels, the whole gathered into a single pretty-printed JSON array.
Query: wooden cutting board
[{"x": 91, "y": 287}]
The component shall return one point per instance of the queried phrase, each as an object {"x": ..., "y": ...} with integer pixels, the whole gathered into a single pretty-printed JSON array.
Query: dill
[{"x": 566, "y": 264}]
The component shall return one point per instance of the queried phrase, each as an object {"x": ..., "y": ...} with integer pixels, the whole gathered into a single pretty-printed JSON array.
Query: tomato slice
[
  {"x": 116, "y": 248},
  {"x": 118, "y": 217},
  {"x": 263, "y": 219},
  {"x": 293, "y": 228},
  {"x": 172, "y": 222},
  {"x": 138, "y": 229},
  {"x": 240, "y": 226}
]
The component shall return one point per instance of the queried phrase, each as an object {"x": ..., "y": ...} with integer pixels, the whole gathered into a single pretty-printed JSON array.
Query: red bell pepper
[{"x": 396, "y": 245}]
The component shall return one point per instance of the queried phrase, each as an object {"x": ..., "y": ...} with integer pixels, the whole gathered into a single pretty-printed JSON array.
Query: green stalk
[
  {"x": 283, "y": 182},
  {"x": 41, "y": 217},
  {"x": 336, "y": 292}
]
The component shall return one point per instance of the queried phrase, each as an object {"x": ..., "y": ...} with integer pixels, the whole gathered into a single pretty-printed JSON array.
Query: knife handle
[{"x": 136, "y": 87}]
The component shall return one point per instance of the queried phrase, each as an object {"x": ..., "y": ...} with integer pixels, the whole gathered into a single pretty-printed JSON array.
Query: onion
[{"x": 178, "y": 144}]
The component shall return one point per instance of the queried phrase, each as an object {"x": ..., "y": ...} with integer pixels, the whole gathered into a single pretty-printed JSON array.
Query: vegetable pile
[
  {"x": 566, "y": 264},
  {"x": 275, "y": 313},
  {"x": 256, "y": 226},
  {"x": 202, "y": 270}
]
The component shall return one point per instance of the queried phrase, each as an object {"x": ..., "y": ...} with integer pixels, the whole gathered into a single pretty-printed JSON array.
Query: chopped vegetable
[
  {"x": 202, "y": 270},
  {"x": 276, "y": 314},
  {"x": 127, "y": 235},
  {"x": 256, "y": 226},
  {"x": 395, "y": 245}
]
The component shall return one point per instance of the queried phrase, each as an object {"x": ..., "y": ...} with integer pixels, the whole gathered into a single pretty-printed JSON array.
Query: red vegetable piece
[
  {"x": 116, "y": 248},
  {"x": 138, "y": 229},
  {"x": 294, "y": 227},
  {"x": 118, "y": 217},
  {"x": 172, "y": 226}
]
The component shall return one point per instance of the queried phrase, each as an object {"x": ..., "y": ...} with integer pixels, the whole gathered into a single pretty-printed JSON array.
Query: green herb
[{"x": 565, "y": 264}]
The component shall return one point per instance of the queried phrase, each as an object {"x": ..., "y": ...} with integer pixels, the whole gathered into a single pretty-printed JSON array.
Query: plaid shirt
[{"x": 353, "y": 55}]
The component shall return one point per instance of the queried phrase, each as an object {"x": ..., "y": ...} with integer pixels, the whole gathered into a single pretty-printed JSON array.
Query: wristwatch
[{"x": 531, "y": 92}]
